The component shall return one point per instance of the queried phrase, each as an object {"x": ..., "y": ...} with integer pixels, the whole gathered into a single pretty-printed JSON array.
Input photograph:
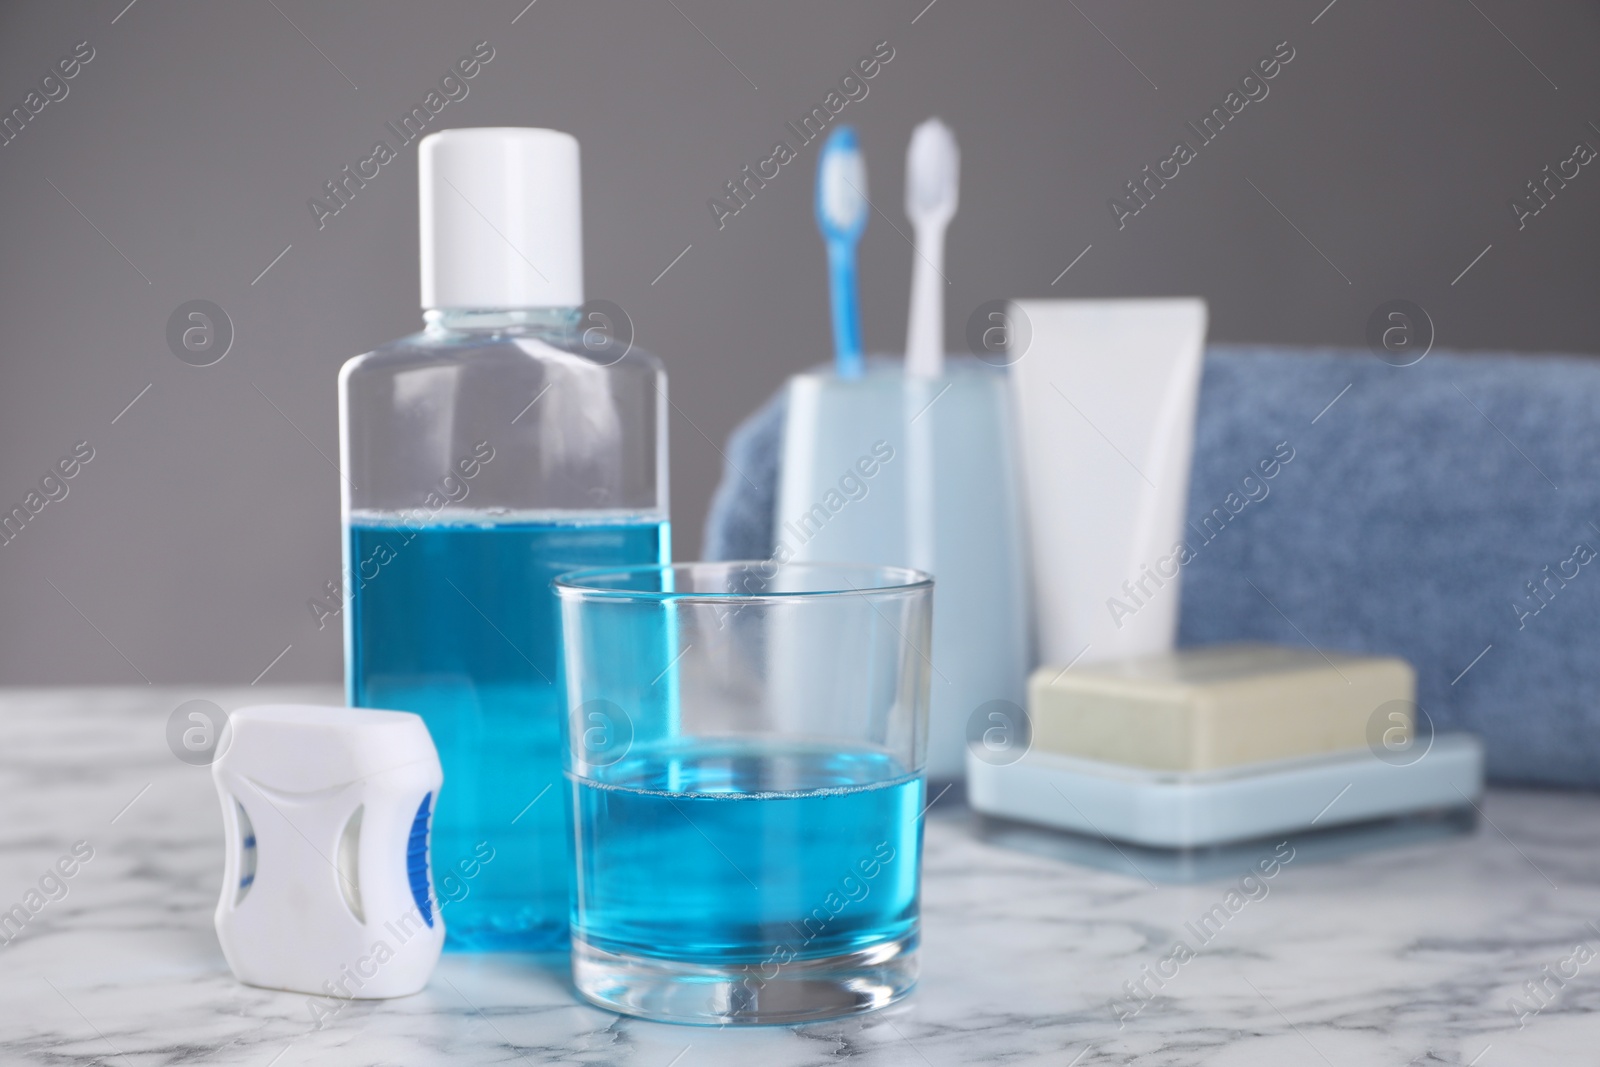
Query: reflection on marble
[{"x": 1410, "y": 953}]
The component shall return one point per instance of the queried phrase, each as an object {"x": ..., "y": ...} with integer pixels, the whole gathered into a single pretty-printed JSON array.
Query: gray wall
[{"x": 184, "y": 155}]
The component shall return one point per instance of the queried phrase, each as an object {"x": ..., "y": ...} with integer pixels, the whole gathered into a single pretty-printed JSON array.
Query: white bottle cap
[{"x": 501, "y": 218}]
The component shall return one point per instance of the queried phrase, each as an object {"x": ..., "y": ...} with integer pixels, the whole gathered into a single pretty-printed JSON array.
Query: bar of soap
[{"x": 1218, "y": 706}]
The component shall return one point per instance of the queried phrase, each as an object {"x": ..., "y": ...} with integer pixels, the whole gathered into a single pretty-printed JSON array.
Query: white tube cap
[{"x": 501, "y": 218}]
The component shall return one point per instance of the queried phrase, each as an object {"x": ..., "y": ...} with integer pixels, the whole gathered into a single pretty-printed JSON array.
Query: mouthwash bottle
[{"x": 514, "y": 438}]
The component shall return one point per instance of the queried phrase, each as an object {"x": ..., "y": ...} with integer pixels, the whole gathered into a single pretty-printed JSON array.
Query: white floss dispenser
[{"x": 325, "y": 885}]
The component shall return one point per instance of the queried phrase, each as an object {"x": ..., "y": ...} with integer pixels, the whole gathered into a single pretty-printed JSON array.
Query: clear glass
[
  {"x": 745, "y": 751},
  {"x": 481, "y": 458}
]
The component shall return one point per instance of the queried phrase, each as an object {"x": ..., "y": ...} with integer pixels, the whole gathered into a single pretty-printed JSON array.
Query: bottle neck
[{"x": 545, "y": 323}]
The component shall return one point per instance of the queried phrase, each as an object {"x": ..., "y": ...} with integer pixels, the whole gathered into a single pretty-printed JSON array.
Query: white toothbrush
[{"x": 933, "y": 175}]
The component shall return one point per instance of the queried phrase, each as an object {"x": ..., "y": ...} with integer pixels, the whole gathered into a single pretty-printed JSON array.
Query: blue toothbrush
[{"x": 841, "y": 216}]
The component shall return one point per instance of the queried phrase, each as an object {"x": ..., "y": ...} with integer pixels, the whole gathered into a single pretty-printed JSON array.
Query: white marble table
[{"x": 1397, "y": 956}]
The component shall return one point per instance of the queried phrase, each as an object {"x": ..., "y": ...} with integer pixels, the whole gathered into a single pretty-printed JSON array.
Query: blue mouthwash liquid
[
  {"x": 729, "y": 853},
  {"x": 458, "y": 624}
]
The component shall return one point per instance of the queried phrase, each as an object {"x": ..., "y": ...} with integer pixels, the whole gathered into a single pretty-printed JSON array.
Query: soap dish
[{"x": 1194, "y": 809}]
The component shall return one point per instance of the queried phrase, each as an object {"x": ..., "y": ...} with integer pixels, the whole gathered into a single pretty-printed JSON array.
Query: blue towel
[
  {"x": 1447, "y": 512},
  {"x": 739, "y": 525}
]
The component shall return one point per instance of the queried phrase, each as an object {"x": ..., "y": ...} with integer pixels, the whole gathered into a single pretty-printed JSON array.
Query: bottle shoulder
[
  {"x": 523, "y": 409},
  {"x": 490, "y": 353}
]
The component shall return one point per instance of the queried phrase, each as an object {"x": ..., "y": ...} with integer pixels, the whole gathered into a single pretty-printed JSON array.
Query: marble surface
[{"x": 1402, "y": 955}]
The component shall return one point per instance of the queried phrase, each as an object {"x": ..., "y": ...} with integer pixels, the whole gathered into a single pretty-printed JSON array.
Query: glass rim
[{"x": 888, "y": 580}]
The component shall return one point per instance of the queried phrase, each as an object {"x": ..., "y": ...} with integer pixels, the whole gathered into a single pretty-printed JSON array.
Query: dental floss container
[{"x": 326, "y": 887}]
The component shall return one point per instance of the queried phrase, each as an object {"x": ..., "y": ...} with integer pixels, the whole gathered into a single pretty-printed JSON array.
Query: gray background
[{"x": 187, "y": 549}]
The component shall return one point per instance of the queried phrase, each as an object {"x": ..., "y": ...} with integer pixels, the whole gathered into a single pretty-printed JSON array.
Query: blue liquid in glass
[
  {"x": 458, "y": 623},
  {"x": 737, "y": 854}
]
